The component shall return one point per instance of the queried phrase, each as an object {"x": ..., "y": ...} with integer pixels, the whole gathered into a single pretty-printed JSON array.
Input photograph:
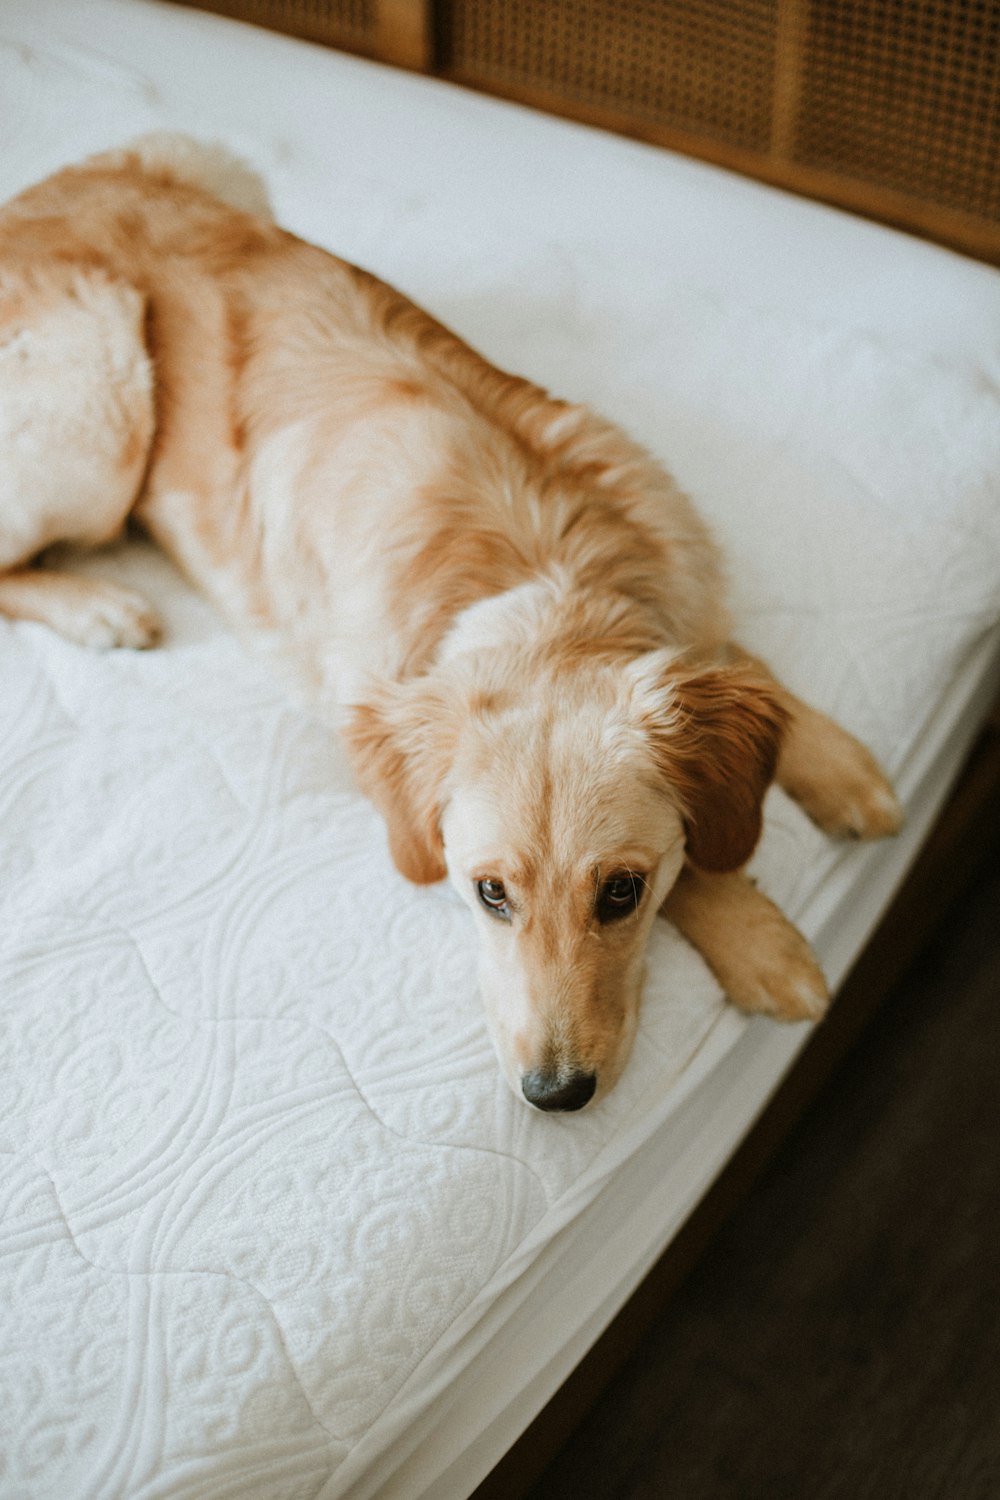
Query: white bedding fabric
[{"x": 271, "y": 1225}]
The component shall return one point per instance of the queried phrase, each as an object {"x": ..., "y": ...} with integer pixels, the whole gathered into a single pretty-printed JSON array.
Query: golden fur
[{"x": 510, "y": 607}]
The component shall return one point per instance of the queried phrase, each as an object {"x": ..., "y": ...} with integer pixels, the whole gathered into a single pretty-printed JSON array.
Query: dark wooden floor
[{"x": 841, "y": 1338}]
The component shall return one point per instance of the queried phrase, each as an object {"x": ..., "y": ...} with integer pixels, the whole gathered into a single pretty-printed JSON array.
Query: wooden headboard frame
[{"x": 890, "y": 108}]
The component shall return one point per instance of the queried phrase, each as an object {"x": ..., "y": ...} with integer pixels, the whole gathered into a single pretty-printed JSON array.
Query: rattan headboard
[{"x": 888, "y": 107}]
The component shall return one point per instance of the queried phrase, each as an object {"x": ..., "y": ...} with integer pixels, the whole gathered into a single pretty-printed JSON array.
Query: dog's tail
[{"x": 204, "y": 164}]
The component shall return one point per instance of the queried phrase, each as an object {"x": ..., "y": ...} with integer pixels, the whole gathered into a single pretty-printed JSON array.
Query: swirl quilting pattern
[
  {"x": 259, "y": 1174},
  {"x": 253, "y": 1135}
]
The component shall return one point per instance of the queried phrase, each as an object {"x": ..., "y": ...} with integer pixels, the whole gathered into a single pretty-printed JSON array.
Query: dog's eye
[
  {"x": 493, "y": 895},
  {"x": 619, "y": 897}
]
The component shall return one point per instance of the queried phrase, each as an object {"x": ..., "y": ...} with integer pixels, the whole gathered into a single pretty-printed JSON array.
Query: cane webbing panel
[
  {"x": 685, "y": 62},
  {"x": 340, "y": 23},
  {"x": 891, "y": 107},
  {"x": 906, "y": 93},
  {"x": 846, "y": 99}
]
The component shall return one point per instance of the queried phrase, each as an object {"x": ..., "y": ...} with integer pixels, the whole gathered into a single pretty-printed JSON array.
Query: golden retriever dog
[{"x": 506, "y": 606}]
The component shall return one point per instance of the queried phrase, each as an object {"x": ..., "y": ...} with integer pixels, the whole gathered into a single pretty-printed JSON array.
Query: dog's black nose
[{"x": 556, "y": 1091}]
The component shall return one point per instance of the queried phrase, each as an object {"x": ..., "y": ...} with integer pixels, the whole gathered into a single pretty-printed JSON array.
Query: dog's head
[{"x": 562, "y": 803}]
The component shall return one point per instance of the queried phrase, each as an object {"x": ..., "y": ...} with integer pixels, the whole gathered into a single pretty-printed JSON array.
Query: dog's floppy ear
[
  {"x": 398, "y": 741},
  {"x": 715, "y": 734}
]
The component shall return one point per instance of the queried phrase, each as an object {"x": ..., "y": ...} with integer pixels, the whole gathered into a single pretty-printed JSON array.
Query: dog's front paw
[
  {"x": 763, "y": 963},
  {"x": 774, "y": 973},
  {"x": 837, "y": 781}
]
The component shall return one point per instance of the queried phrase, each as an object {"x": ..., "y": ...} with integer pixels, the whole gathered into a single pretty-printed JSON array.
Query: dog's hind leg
[
  {"x": 832, "y": 776},
  {"x": 89, "y": 611},
  {"x": 76, "y": 425}
]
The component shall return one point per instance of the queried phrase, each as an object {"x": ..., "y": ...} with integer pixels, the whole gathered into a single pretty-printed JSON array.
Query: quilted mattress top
[{"x": 260, "y": 1179}]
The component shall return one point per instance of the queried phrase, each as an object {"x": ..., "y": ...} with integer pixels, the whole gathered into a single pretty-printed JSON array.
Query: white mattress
[{"x": 272, "y": 1225}]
